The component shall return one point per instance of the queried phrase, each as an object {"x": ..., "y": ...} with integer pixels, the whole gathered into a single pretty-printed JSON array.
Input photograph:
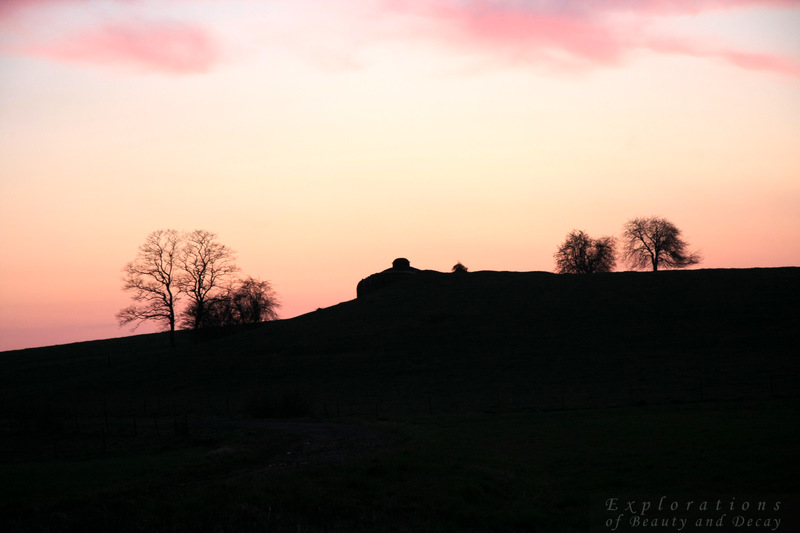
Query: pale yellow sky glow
[{"x": 322, "y": 142}]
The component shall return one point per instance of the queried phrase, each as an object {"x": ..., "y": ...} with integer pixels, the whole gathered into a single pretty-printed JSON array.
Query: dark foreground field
[{"x": 482, "y": 402}]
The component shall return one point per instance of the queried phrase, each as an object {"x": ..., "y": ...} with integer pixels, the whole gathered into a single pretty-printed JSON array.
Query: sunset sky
[{"x": 322, "y": 139}]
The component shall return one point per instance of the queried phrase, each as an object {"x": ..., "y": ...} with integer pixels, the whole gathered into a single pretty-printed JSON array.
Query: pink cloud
[
  {"x": 581, "y": 33},
  {"x": 561, "y": 35},
  {"x": 159, "y": 47},
  {"x": 9, "y": 8},
  {"x": 587, "y": 7},
  {"x": 763, "y": 62},
  {"x": 675, "y": 7},
  {"x": 37, "y": 28},
  {"x": 533, "y": 36},
  {"x": 742, "y": 59}
]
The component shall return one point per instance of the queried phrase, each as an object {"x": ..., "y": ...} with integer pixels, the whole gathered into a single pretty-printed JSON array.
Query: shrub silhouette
[
  {"x": 458, "y": 268},
  {"x": 581, "y": 254}
]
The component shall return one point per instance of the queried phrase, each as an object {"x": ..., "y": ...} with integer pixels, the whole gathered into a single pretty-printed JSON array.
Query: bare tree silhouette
[
  {"x": 171, "y": 263},
  {"x": 655, "y": 243},
  {"x": 581, "y": 254},
  {"x": 152, "y": 277},
  {"x": 255, "y": 301},
  {"x": 247, "y": 301},
  {"x": 207, "y": 264}
]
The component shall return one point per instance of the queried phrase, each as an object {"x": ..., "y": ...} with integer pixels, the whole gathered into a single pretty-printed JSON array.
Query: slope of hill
[
  {"x": 479, "y": 385},
  {"x": 486, "y": 340}
]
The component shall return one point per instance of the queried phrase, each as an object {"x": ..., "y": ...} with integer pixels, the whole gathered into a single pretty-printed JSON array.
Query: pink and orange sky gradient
[{"x": 321, "y": 139}]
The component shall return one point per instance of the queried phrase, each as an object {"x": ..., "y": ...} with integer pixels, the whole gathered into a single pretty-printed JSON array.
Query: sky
[{"x": 320, "y": 140}]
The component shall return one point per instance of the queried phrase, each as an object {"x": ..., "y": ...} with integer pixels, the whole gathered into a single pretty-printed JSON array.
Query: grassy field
[
  {"x": 481, "y": 472},
  {"x": 493, "y": 401}
]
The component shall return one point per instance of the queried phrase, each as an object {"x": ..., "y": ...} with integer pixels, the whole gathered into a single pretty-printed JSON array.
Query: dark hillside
[
  {"x": 475, "y": 342},
  {"x": 488, "y": 401},
  {"x": 540, "y": 338}
]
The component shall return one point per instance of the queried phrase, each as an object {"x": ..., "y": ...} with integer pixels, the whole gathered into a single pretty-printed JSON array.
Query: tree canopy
[
  {"x": 153, "y": 278},
  {"x": 581, "y": 254},
  {"x": 172, "y": 264},
  {"x": 656, "y": 243},
  {"x": 207, "y": 264}
]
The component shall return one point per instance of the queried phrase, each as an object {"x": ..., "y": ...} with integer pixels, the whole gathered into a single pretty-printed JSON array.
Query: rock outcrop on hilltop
[{"x": 401, "y": 268}]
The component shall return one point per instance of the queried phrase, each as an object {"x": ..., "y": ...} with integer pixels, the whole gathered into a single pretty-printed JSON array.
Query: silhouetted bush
[
  {"x": 581, "y": 254},
  {"x": 458, "y": 268},
  {"x": 247, "y": 301}
]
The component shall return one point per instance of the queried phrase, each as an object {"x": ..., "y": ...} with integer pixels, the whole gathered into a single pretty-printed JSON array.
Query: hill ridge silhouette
[{"x": 547, "y": 340}]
